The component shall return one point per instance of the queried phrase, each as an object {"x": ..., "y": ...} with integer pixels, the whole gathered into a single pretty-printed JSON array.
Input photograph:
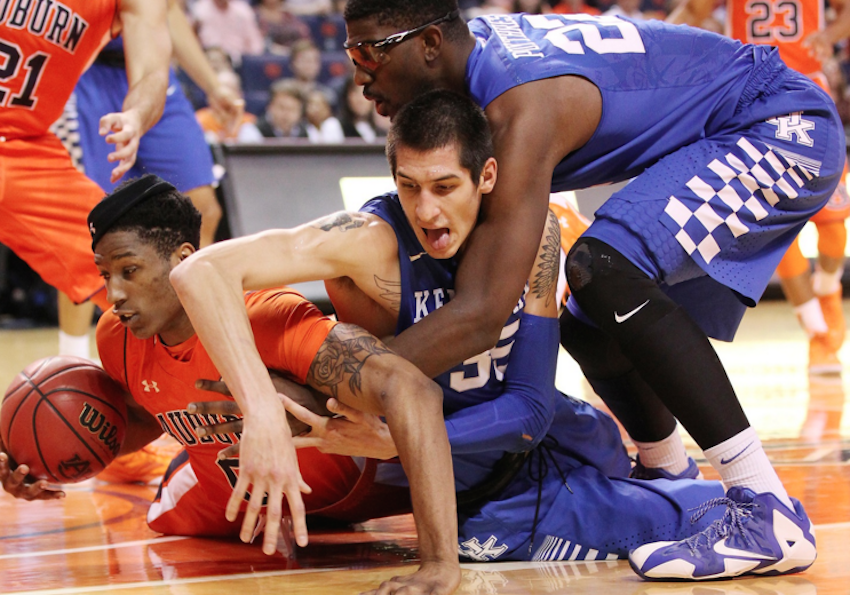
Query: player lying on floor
[
  {"x": 147, "y": 343},
  {"x": 539, "y": 475}
]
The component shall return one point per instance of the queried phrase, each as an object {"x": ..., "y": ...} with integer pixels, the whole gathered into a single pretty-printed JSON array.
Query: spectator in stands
[
  {"x": 625, "y": 8},
  {"x": 575, "y": 7},
  {"x": 322, "y": 126},
  {"x": 216, "y": 130},
  {"x": 532, "y": 6},
  {"x": 357, "y": 114},
  {"x": 218, "y": 58},
  {"x": 310, "y": 7},
  {"x": 490, "y": 7},
  {"x": 230, "y": 25},
  {"x": 306, "y": 65},
  {"x": 280, "y": 27},
  {"x": 284, "y": 115}
]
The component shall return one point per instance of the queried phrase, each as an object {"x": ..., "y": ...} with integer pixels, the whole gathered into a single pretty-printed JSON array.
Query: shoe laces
[{"x": 734, "y": 518}]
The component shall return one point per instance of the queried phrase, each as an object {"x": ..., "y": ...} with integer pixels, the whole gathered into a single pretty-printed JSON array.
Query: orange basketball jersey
[
  {"x": 780, "y": 23},
  {"x": 288, "y": 331},
  {"x": 45, "y": 45}
]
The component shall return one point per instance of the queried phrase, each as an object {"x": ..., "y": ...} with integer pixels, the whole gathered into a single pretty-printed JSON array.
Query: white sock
[
  {"x": 668, "y": 454},
  {"x": 74, "y": 345},
  {"x": 741, "y": 461},
  {"x": 811, "y": 317},
  {"x": 824, "y": 283}
]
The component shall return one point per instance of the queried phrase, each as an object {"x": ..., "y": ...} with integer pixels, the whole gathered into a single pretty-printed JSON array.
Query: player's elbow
[
  {"x": 407, "y": 386},
  {"x": 484, "y": 329}
]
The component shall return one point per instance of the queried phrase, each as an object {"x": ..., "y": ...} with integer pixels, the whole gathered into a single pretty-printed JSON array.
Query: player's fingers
[
  {"x": 236, "y": 498},
  {"x": 109, "y": 122},
  {"x": 230, "y": 452},
  {"x": 274, "y": 514},
  {"x": 252, "y": 513},
  {"x": 340, "y": 408},
  {"x": 228, "y": 427},
  {"x": 296, "y": 509},
  {"x": 125, "y": 150},
  {"x": 308, "y": 441},
  {"x": 17, "y": 477},
  {"x": 215, "y": 386},
  {"x": 223, "y": 407},
  {"x": 303, "y": 414}
]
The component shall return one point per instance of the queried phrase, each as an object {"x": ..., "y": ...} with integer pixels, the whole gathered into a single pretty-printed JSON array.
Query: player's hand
[
  {"x": 819, "y": 45},
  {"x": 20, "y": 486},
  {"x": 268, "y": 466},
  {"x": 299, "y": 393},
  {"x": 124, "y": 130},
  {"x": 351, "y": 432},
  {"x": 432, "y": 578},
  {"x": 228, "y": 108}
]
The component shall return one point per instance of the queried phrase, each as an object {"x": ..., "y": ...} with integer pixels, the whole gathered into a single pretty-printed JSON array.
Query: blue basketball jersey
[
  {"x": 662, "y": 86},
  {"x": 426, "y": 285}
]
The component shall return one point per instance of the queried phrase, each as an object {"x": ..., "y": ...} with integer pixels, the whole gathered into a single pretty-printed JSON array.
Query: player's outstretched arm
[
  {"x": 147, "y": 48},
  {"x": 192, "y": 59},
  {"x": 356, "y": 368},
  {"x": 210, "y": 285},
  {"x": 531, "y": 135}
]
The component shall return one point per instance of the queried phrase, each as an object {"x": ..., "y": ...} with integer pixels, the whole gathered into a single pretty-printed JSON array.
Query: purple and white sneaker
[{"x": 758, "y": 535}]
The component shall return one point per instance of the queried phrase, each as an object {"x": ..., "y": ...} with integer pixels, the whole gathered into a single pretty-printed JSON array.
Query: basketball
[{"x": 64, "y": 417}]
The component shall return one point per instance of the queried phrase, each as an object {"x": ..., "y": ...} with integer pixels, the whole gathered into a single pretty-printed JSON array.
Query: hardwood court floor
[{"x": 96, "y": 540}]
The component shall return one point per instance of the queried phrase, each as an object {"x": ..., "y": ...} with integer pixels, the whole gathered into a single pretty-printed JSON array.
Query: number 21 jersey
[{"x": 45, "y": 45}]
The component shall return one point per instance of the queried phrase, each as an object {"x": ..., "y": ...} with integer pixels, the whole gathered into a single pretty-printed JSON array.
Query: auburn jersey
[
  {"x": 45, "y": 45},
  {"x": 783, "y": 24}
]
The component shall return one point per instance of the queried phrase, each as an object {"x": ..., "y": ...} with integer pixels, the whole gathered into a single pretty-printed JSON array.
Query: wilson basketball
[{"x": 64, "y": 417}]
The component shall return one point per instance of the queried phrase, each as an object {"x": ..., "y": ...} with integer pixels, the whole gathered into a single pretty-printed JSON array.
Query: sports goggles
[{"x": 373, "y": 54}]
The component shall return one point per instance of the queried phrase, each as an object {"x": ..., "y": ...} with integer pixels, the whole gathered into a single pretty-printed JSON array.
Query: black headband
[{"x": 113, "y": 206}]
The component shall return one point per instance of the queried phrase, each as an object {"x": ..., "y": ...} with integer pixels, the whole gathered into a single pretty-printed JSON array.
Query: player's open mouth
[
  {"x": 126, "y": 319},
  {"x": 438, "y": 239}
]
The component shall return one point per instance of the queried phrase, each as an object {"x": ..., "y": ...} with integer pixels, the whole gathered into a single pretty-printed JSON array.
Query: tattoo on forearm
[
  {"x": 390, "y": 292},
  {"x": 344, "y": 221},
  {"x": 341, "y": 358},
  {"x": 546, "y": 276}
]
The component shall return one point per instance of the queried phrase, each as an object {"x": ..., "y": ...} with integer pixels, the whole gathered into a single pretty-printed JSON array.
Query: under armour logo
[
  {"x": 788, "y": 126},
  {"x": 150, "y": 386},
  {"x": 481, "y": 552}
]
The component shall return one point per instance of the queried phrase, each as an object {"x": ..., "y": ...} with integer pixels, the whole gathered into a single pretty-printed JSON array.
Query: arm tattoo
[
  {"x": 390, "y": 292},
  {"x": 546, "y": 276},
  {"x": 344, "y": 221},
  {"x": 341, "y": 358}
]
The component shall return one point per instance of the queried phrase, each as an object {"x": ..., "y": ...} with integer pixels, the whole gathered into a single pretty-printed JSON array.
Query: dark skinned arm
[{"x": 531, "y": 135}]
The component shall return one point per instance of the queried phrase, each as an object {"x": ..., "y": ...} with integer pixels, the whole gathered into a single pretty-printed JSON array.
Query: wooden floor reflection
[{"x": 96, "y": 540}]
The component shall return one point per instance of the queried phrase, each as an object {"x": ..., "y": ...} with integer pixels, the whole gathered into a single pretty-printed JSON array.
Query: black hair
[
  {"x": 407, "y": 14},
  {"x": 165, "y": 220},
  {"x": 438, "y": 119}
]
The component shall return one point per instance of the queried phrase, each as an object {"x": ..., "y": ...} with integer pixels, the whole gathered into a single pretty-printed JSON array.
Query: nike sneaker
[
  {"x": 758, "y": 535},
  {"x": 641, "y": 472}
]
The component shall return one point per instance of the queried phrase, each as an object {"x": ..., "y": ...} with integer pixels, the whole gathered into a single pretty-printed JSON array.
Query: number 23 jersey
[{"x": 662, "y": 86}]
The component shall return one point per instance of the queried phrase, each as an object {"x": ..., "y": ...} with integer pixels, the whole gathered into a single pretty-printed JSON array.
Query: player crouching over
[{"x": 148, "y": 343}]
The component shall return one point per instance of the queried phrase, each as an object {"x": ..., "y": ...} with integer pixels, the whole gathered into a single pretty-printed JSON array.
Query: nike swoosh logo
[
  {"x": 722, "y": 549},
  {"x": 416, "y": 257},
  {"x": 619, "y": 319},
  {"x": 727, "y": 461}
]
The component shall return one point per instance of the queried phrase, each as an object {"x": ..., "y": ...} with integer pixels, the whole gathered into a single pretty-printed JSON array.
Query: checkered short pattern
[
  {"x": 67, "y": 129},
  {"x": 734, "y": 194}
]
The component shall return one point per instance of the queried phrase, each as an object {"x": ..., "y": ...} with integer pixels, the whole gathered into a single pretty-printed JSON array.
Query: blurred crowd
[{"x": 285, "y": 58}]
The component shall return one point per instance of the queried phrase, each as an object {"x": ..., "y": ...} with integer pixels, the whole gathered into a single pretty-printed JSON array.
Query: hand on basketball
[
  {"x": 15, "y": 482},
  {"x": 124, "y": 130},
  {"x": 351, "y": 432}
]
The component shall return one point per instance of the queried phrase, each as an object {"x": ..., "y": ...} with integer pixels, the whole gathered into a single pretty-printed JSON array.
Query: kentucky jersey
[
  {"x": 50, "y": 42},
  {"x": 662, "y": 86},
  {"x": 428, "y": 284}
]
